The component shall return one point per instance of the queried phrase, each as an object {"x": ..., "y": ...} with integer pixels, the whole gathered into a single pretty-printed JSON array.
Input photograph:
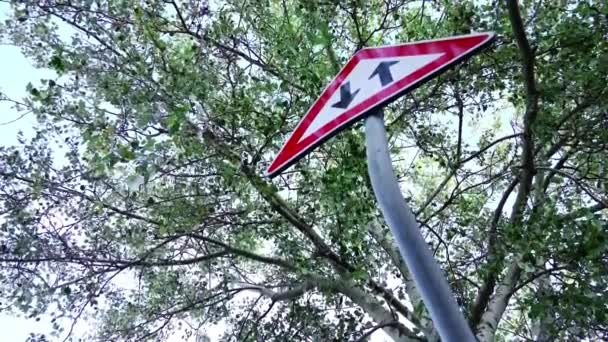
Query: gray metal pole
[{"x": 425, "y": 271}]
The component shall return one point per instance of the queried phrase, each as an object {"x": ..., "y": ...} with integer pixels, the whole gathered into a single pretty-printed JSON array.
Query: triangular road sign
[{"x": 373, "y": 77}]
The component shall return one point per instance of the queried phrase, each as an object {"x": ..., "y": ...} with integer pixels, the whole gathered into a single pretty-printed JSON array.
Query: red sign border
[{"x": 366, "y": 107}]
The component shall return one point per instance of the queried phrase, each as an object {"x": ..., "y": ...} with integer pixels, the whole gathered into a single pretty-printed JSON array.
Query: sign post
[
  {"x": 433, "y": 287},
  {"x": 372, "y": 78}
]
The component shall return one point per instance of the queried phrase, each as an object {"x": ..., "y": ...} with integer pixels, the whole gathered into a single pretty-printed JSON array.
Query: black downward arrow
[
  {"x": 346, "y": 97},
  {"x": 384, "y": 72}
]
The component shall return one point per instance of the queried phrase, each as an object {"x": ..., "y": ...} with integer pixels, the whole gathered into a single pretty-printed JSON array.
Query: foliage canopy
[{"x": 140, "y": 203}]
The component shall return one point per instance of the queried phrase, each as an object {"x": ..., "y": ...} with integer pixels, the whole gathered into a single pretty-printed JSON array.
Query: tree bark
[
  {"x": 387, "y": 242},
  {"x": 498, "y": 304}
]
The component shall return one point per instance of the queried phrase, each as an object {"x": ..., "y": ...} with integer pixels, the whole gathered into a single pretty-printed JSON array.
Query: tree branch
[
  {"x": 484, "y": 293},
  {"x": 388, "y": 244},
  {"x": 374, "y": 329},
  {"x": 459, "y": 164},
  {"x": 487, "y": 288},
  {"x": 579, "y": 183},
  {"x": 270, "y": 195},
  {"x": 498, "y": 304},
  {"x": 398, "y": 332},
  {"x": 246, "y": 254},
  {"x": 57, "y": 187},
  {"x": 527, "y": 55},
  {"x": 290, "y": 294},
  {"x": 460, "y": 122}
]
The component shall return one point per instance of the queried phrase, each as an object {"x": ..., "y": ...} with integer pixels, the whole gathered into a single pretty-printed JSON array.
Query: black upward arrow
[
  {"x": 346, "y": 97},
  {"x": 384, "y": 72}
]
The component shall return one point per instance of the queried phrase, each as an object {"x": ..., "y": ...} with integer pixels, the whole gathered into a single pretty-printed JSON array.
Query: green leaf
[
  {"x": 57, "y": 63},
  {"x": 126, "y": 152}
]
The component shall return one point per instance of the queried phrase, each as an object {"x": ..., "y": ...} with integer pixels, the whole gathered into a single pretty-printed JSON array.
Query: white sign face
[
  {"x": 362, "y": 87},
  {"x": 372, "y": 78}
]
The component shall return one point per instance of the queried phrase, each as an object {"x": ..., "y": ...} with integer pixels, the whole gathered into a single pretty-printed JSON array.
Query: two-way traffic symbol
[
  {"x": 373, "y": 77},
  {"x": 382, "y": 71}
]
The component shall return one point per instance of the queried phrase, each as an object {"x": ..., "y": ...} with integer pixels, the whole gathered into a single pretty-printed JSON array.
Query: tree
[{"x": 164, "y": 115}]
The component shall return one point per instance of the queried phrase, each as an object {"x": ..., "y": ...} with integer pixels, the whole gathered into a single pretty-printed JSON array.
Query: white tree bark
[
  {"x": 370, "y": 304},
  {"x": 491, "y": 317},
  {"x": 377, "y": 312},
  {"x": 496, "y": 308},
  {"x": 544, "y": 289},
  {"x": 388, "y": 244}
]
